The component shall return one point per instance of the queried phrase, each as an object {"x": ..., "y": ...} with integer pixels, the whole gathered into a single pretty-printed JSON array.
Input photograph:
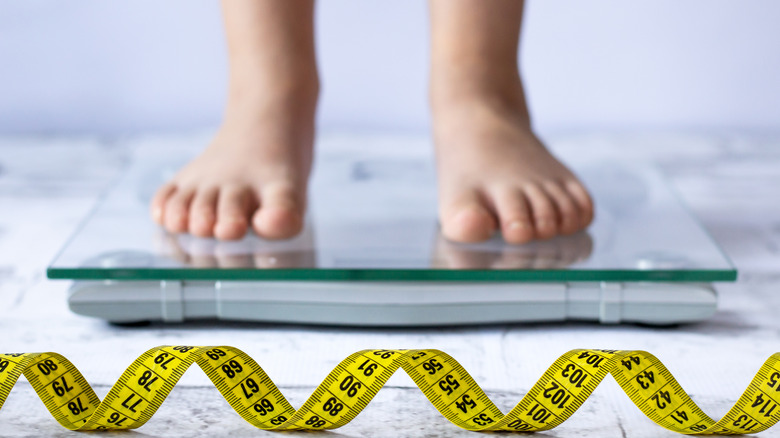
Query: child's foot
[
  {"x": 494, "y": 173},
  {"x": 253, "y": 174}
]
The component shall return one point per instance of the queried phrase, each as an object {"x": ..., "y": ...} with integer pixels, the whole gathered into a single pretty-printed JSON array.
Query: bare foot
[
  {"x": 254, "y": 172},
  {"x": 494, "y": 173}
]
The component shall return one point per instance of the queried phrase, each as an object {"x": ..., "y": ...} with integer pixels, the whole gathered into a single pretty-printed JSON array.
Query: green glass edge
[{"x": 400, "y": 275}]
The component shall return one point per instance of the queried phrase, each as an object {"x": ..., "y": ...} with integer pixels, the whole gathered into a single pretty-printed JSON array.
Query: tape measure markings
[{"x": 353, "y": 383}]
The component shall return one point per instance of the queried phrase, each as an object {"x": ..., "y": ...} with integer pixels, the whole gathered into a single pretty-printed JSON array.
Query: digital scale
[{"x": 371, "y": 255}]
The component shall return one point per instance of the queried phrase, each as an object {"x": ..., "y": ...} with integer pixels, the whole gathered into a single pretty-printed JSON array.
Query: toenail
[
  {"x": 157, "y": 214},
  {"x": 518, "y": 225},
  {"x": 545, "y": 223}
]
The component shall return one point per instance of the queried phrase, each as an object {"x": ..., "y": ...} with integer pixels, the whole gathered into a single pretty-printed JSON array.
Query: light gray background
[{"x": 85, "y": 66}]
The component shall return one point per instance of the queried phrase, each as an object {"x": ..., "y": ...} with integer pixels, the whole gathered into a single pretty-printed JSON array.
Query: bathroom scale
[{"x": 371, "y": 254}]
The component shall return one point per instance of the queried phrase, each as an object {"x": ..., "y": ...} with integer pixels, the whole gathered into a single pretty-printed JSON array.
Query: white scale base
[{"x": 393, "y": 304}]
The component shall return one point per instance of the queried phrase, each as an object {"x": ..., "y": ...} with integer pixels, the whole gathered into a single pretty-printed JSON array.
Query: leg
[
  {"x": 493, "y": 171},
  {"x": 255, "y": 171}
]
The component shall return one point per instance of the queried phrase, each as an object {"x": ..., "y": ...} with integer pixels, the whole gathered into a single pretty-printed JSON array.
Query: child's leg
[
  {"x": 493, "y": 170},
  {"x": 255, "y": 170}
]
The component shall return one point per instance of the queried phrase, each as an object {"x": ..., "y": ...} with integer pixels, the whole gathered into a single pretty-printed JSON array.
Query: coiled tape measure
[{"x": 347, "y": 390}]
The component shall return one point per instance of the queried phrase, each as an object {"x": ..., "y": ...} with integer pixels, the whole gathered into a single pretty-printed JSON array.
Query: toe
[
  {"x": 467, "y": 220},
  {"x": 543, "y": 211},
  {"x": 281, "y": 212},
  {"x": 583, "y": 200},
  {"x": 233, "y": 209},
  {"x": 177, "y": 207},
  {"x": 514, "y": 215},
  {"x": 203, "y": 212},
  {"x": 568, "y": 212},
  {"x": 158, "y": 201}
]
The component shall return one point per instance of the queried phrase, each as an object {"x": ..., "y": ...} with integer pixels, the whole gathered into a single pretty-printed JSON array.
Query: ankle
[
  {"x": 252, "y": 95},
  {"x": 472, "y": 96},
  {"x": 268, "y": 119}
]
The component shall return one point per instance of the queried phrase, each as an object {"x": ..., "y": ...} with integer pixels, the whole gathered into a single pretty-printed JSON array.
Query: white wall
[{"x": 116, "y": 67}]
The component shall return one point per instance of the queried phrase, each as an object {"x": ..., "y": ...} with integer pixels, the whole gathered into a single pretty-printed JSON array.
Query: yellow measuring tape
[{"x": 347, "y": 390}]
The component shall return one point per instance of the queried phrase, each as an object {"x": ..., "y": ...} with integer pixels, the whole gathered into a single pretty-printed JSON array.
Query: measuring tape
[{"x": 347, "y": 390}]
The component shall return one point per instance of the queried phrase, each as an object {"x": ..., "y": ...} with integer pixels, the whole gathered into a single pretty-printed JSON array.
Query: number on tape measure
[
  {"x": 232, "y": 368},
  {"x": 264, "y": 407},
  {"x": 554, "y": 398},
  {"x": 61, "y": 387},
  {"x": 46, "y": 367},
  {"x": 432, "y": 366},
  {"x": 367, "y": 367},
  {"x": 449, "y": 384},
  {"x": 350, "y": 385}
]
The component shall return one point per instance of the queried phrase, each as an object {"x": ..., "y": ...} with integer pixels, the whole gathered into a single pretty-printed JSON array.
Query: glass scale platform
[{"x": 371, "y": 254}]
